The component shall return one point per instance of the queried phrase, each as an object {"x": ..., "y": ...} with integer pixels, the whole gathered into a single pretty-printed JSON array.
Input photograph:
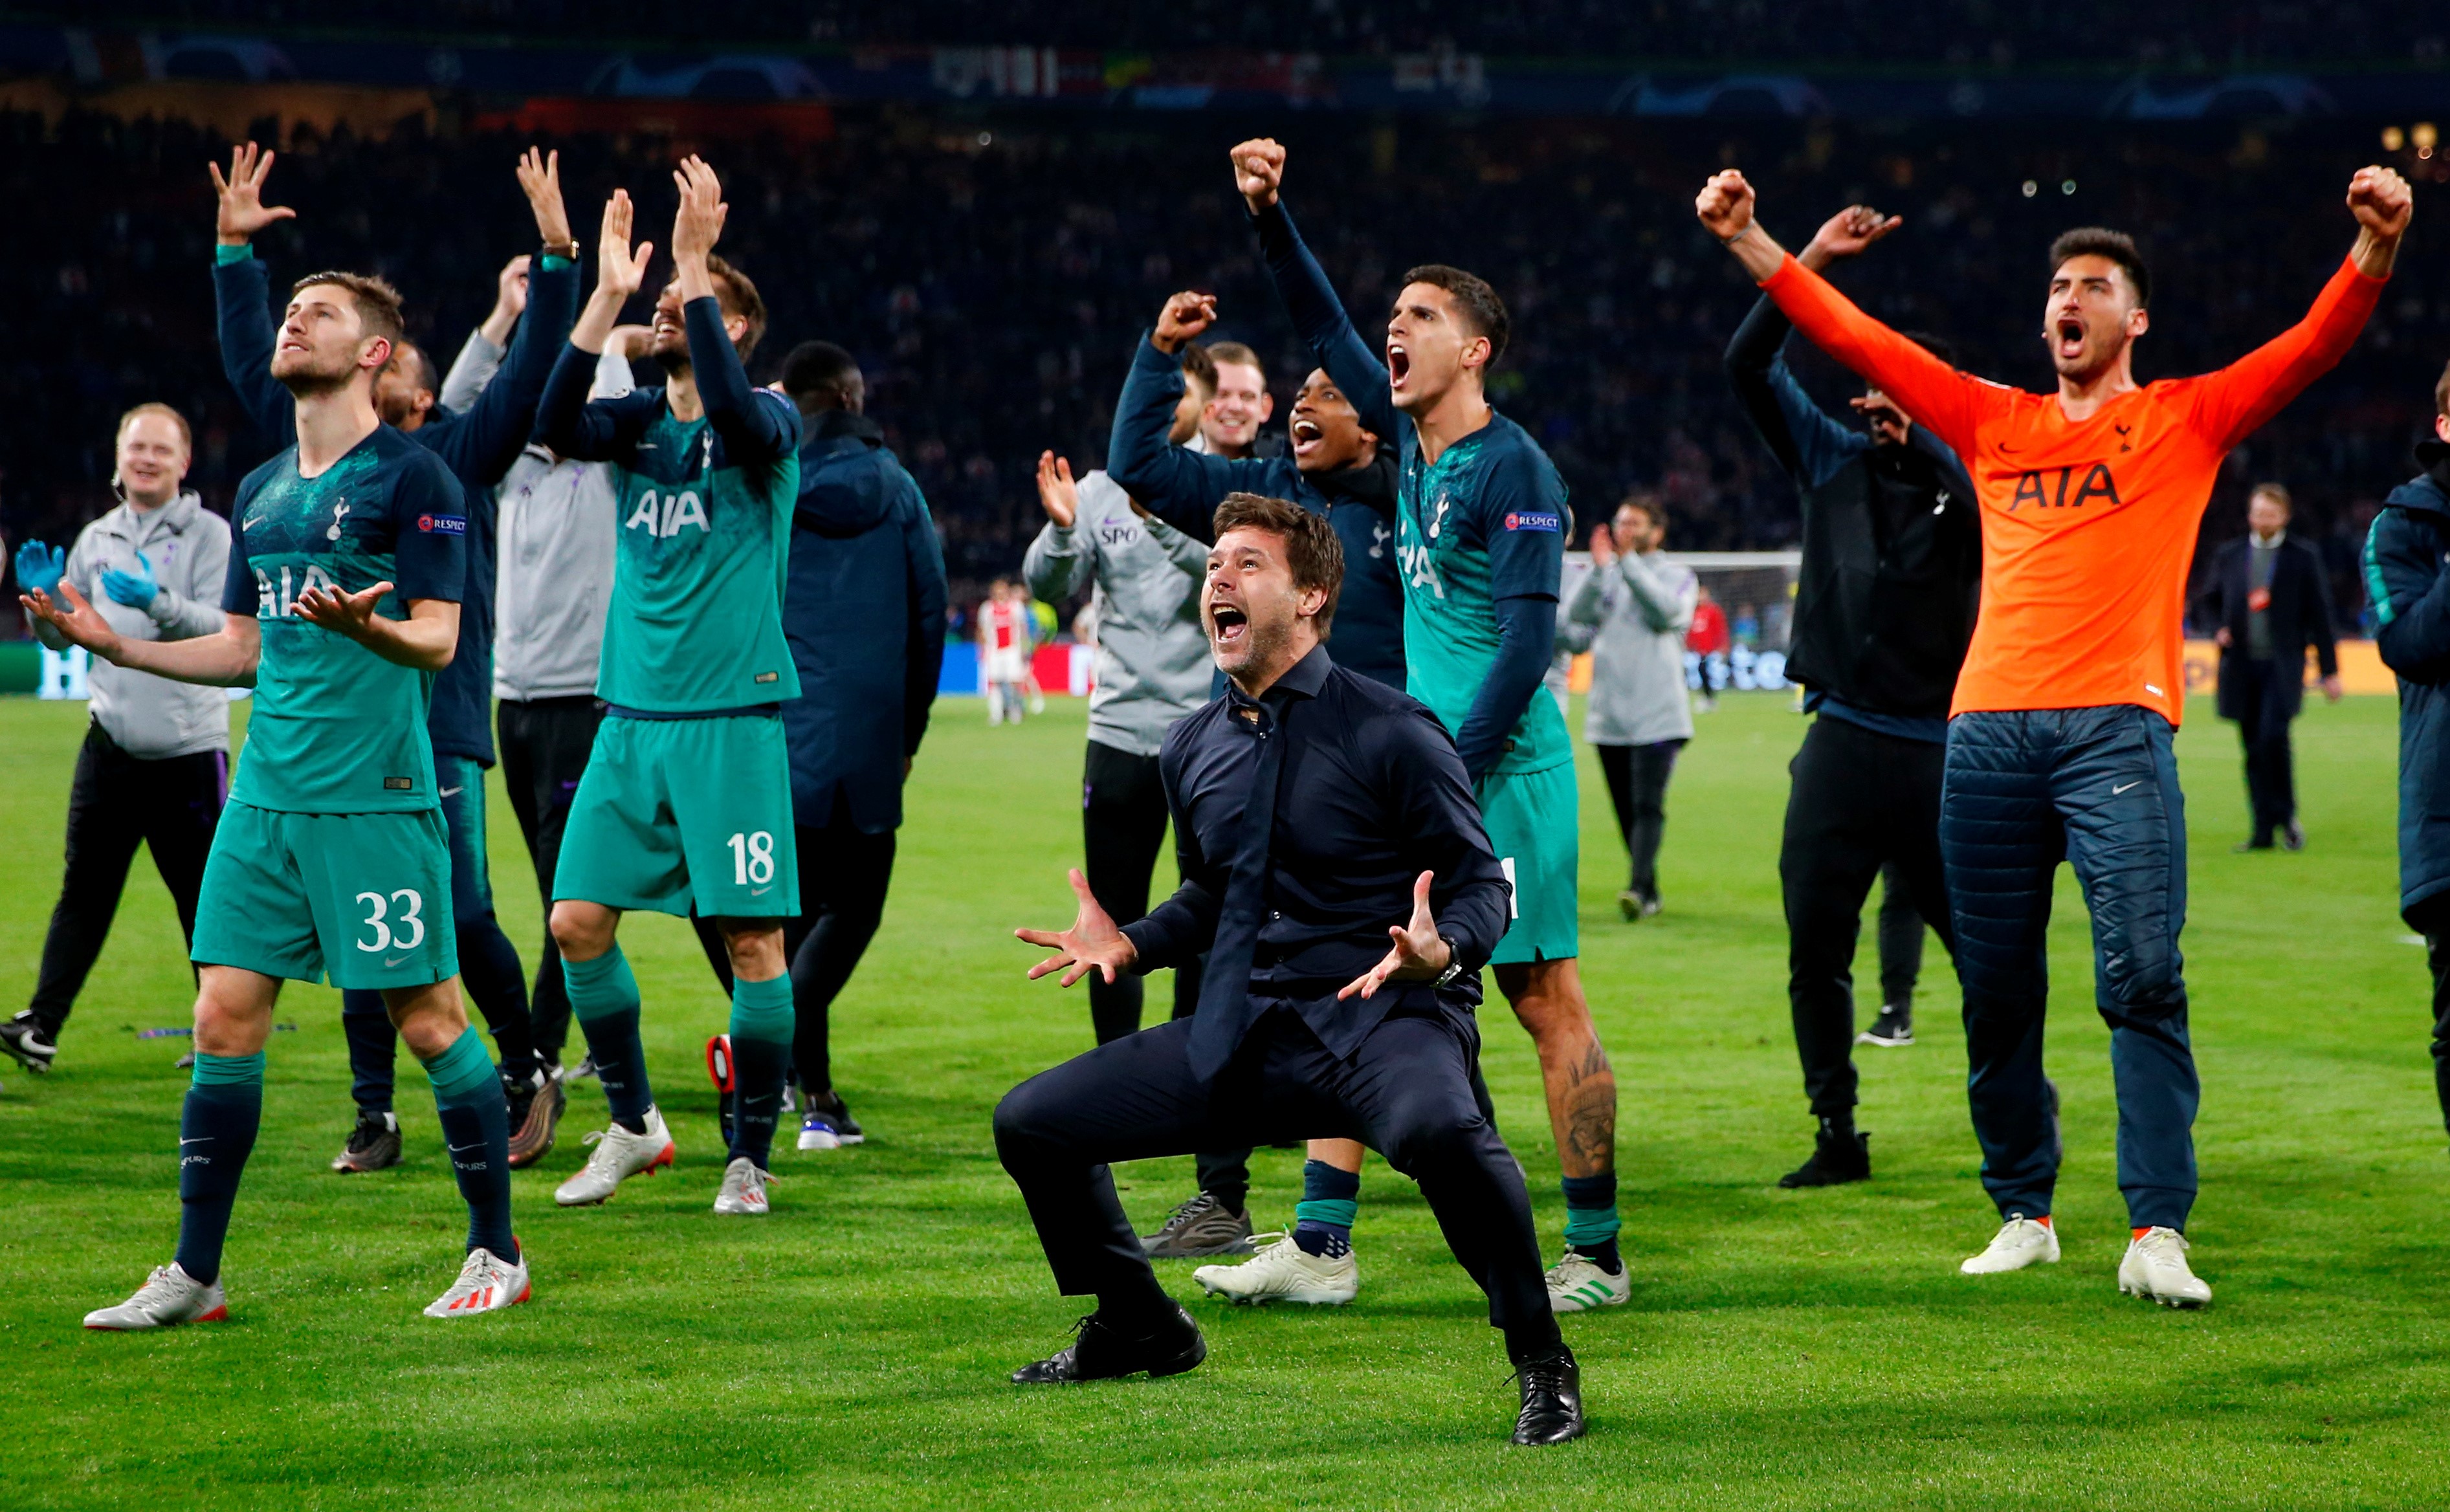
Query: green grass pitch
[{"x": 1782, "y": 1349}]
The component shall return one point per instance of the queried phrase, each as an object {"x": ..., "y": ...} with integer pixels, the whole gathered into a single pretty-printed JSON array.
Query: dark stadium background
[{"x": 989, "y": 224}]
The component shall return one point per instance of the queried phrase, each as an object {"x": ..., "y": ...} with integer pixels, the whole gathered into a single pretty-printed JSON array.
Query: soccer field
[{"x": 1782, "y": 1349}]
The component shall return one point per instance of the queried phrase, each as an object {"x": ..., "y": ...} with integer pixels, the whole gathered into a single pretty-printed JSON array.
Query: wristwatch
[
  {"x": 1454, "y": 963},
  {"x": 566, "y": 251}
]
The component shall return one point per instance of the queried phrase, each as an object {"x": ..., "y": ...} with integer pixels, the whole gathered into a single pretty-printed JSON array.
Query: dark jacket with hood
[
  {"x": 2404, "y": 575},
  {"x": 864, "y": 612},
  {"x": 1891, "y": 574},
  {"x": 2300, "y": 615}
]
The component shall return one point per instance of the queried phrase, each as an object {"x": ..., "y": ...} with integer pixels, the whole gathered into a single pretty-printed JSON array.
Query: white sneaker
[
  {"x": 1282, "y": 1271},
  {"x": 487, "y": 1283},
  {"x": 618, "y": 1155},
  {"x": 1576, "y": 1284},
  {"x": 2020, "y": 1242},
  {"x": 2155, "y": 1267},
  {"x": 168, "y": 1297},
  {"x": 744, "y": 1189}
]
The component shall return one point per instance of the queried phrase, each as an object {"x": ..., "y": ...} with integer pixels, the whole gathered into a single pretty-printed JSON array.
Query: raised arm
[
  {"x": 501, "y": 419},
  {"x": 565, "y": 421},
  {"x": 758, "y": 426},
  {"x": 1931, "y": 392},
  {"x": 1177, "y": 485},
  {"x": 1059, "y": 561},
  {"x": 1810, "y": 443},
  {"x": 1320, "y": 317},
  {"x": 2229, "y": 404},
  {"x": 241, "y": 290}
]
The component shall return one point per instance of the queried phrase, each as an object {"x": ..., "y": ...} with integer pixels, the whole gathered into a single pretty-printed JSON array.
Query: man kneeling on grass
[{"x": 1336, "y": 869}]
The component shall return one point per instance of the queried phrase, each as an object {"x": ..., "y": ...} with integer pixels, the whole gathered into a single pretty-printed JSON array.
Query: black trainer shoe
[
  {"x": 827, "y": 1123},
  {"x": 374, "y": 1144},
  {"x": 1833, "y": 1163},
  {"x": 2292, "y": 835},
  {"x": 1892, "y": 1030},
  {"x": 536, "y": 1117},
  {"x": 1101, "y": 1352},
  {"x": 1200, "y": 1227},
  {"x": 29, "y": 1040},
  {"x": 1552, "y": 1398}
]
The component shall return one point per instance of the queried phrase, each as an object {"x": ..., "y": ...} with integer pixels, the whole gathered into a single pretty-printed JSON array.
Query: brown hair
[
  {"x": 2277, "y": 492},
  {"x": 377, "y": 303},
  {"x": 1644, "y": 500},
  {"x": 737, "y": 295},
  {"x": 1311, "y": 550},
  {"x": 2100, "y": 242},
  {"x": 1198, "y": 367},
  {"x": 1221, "y": 353},
  {"x": 1483, "y": 312},
  {"x": 186, "y": 438}
]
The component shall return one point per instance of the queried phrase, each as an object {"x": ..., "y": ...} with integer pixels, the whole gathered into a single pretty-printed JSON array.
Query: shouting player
[
  {"x": 332, "y": 858},
  {"x": 2059, "y": 737},
  {"x": 686, "y": 798},
  {"x": 1480, "y": 544}
]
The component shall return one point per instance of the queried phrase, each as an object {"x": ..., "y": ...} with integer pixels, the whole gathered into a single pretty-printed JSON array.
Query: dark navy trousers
[{"x": 2097, "y": 788}]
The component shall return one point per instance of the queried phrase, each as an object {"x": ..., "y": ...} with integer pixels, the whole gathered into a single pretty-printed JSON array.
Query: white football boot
[
  {"x": 487, "y": 1283},
  {"x": 2020, "y": 1242},
  {"x": 744, "y": 1189},
  {"x": 2155, "y": 1267},
  {"x": 168, "y": 1297},
  {"x": 1283, "y": 1272},
  {"x": 1576, "y": 1284},
  {"x": 618, "y": 1155}
]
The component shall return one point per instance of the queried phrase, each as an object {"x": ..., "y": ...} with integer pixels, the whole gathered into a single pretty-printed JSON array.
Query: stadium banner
[{"x": 90, "y": 66}]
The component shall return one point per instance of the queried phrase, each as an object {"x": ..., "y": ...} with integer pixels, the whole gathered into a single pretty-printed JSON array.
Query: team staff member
[
  {"x": 1632, "y": 610},
  {"x": 2059, "y": 740},
  {"x": 155, "y": 764},
  {"x": 479, "y": 447},
  {"x": 1320, "y": 815},
  {"x": 554, "y": 530},
  {"x": 1884, "y": 606},
  {"x": 864, "y": 612},
  {"x": 1153, "y": 669},
  {"x": 2269, "y": 597}
]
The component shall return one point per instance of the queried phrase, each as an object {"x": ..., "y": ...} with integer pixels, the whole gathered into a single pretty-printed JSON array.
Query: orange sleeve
[
  {"x": 1933, "y": 394},
  {"x": 2229, "y": 404}
]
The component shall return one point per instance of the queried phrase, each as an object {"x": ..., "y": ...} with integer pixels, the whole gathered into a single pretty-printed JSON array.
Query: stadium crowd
[{"x": 991, "y": 271}]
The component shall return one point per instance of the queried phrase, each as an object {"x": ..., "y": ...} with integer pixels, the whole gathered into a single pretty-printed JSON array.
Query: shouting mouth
[
  {"x": 1399, "y": 364},
  {"x": 2067, "y": 338},
  {"x": 1308, "y": 435},
  {"x": 1227, "y": 625}
]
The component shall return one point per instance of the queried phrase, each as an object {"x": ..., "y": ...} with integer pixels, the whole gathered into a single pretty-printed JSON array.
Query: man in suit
[
  {"x": 1337, "y": 870},
  {"x": 2267, "y": 595}
]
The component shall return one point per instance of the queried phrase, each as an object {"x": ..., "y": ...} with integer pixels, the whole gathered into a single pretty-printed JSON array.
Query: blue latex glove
[
  {"x": 40, "y": 568},
  {"x": 136, "y": 589}
]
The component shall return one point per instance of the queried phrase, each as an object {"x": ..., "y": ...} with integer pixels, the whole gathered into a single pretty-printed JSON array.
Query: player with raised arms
[
  {"x": 332, "y": 858},
  {"x": 2060, "y": 732},
  {"x": 1479, "y": 546},
  {"x": 687, "y": 799}
]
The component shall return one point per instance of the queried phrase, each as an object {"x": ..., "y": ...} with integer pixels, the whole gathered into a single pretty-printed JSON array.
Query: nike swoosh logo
[
  {"x": 760, "y": 892},
  {"x": 251, "y": 522},
  {"x": 203, "y": 1140},
  {"x": 478, "y": 1145},
  {"x": 392, "y": 960},
  {"x": 2115, "y": 791},
  {"x": 449, "y": 792}
]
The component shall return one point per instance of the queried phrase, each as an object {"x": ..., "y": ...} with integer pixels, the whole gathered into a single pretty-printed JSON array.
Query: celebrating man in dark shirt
[{"x": 1335, "y": 868}]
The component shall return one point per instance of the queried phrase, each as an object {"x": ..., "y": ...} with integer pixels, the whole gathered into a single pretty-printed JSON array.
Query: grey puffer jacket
[
  {"x": 188, "y": 547},
  {"x": 1152, "y": 661}
]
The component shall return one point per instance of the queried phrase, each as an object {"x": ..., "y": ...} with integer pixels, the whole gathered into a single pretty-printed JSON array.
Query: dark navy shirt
[{"x": 1370, "y": 796}]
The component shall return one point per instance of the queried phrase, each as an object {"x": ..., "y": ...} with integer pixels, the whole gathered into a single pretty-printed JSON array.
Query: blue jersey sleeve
[
  {"x": 241, "y": 288},
  {"x": 592, "y": 430},
  {"x": 1523, "y": 526},
  {"x": 239, "y": 596},
  {"x": 428, "y": 531}
]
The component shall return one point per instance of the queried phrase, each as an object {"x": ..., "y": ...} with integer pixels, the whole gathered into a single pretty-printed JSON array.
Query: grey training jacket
[
  {"x": 1636, "y": 610},
  {"x": 188, "y": 547},
  {"x": 554, "y": 537},
  {"x": 1152, "y": 661}
]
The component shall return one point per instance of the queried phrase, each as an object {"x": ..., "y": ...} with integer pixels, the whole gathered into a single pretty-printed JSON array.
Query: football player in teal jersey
[
  {"x": 340, "y": 606},
  {"x": 1479, "y": 538},
  {"x": 687, "y": 800}
]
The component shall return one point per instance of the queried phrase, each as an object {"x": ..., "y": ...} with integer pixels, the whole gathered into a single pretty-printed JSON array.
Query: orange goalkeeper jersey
[{"x": 2087, "y": 527}]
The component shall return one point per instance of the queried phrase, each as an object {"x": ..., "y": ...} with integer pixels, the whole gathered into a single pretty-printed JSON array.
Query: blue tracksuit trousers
[{"x": 2097, "y": 788}]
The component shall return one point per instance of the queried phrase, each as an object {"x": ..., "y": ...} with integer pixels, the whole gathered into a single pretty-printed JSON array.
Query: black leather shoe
[
  {"x": 1833, "y": 1163},
  {"x": 1552, "y": 1398},
  {"x": 1101, "y": 1352}
]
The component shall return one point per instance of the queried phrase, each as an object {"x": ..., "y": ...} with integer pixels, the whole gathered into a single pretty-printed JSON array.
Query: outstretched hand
[
  {"x": 540, "y": 179},
  {"x": 243, "y": 212},
  {"x": 1258, "y": 171},
  {"x": 619, "y": 270},
  {"x": 1093, "y": 942},
  {"x": 1057, "y": 494},
  {"x": 78, "y": 622},
  {"x": 697, "y": 225},
  {"x": 1417, "y": 954},
  {"x": 1845, "y": 234},
  {"x": 1185, "y": 316},
  {"x": 343, "y": 613}
]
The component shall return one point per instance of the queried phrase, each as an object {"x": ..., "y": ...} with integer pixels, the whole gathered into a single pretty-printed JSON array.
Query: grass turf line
[{"x": 1784, "y": 1349}]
